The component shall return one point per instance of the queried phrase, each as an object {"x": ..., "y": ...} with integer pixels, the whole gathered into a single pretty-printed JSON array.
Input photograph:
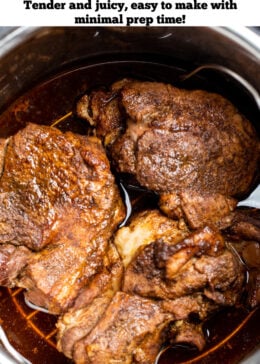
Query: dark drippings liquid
[{"x": 231, "y": 333}]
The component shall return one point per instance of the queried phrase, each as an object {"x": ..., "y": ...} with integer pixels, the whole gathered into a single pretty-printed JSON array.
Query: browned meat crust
[
  {"x": 130, "y": 331},
  {"x": 49, "y": 175},
  {"x": 58, "y": 197},
  {"x": 177, "y": 142},
  {"x": 3, "y": 147},
  {"x": 12, "y": 261},
  {"x": 196, "y": 304},
  {"x": 90, "y": 304},
  {"x": 245, "y": 224},
  {"x": 199, "y": 263},
  {"x": 186, "y": 332},
  {"x": 198, "y": 208}
]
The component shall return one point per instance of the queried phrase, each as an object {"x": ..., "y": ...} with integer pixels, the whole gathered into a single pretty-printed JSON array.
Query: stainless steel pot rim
[{"x": 243, "y": 36}]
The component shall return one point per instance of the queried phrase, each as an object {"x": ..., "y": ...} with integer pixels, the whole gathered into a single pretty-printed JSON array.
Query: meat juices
[
  {"x": 58, "y": 199},
  {"x": 193, "y": 148}
]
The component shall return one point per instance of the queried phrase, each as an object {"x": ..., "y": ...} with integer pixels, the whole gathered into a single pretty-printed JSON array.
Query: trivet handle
[{"x": 216, "y": 67}]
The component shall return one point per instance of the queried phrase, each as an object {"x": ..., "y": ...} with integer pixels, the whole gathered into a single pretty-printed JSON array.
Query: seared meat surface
[
  {"x": 186, "y": 273},
  {"x": 130, "y": 331},
  {"x": 186, "y": 332},
  {"x": 91, "y": 304},
  {"x": 198, "y": 263},
  {"x": 188, "y": 146},
  {"x": 90, "y": 311},
  {"x": 49, "y": 175},
  {"x": 12, "y": 260},
  {"x": 171, "y": 274},
  {"x": 145, "y": 227},
  {"x": 244, "y": 223},
  {"x": 58, "y": 198}
]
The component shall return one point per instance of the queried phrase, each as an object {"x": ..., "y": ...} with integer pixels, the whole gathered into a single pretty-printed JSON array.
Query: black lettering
[
  {"x": 43, "y": 6},
  {"x": 99, "y": 20},
  {"x": 27, "y": 4},
  {"x": 139, "y": 20},
  {"x": 79, "y": 6},
  {"x": 180, "y": 6},
  {"x": 191, "y": 6},
  {"x": 166, "y": 5},
  {"x": 162, "y": 19},
  {"x": 227, "y": 5}
]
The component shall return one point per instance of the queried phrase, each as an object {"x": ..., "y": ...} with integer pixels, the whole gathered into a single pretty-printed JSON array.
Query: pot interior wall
[{"x": 29, "y": 55}]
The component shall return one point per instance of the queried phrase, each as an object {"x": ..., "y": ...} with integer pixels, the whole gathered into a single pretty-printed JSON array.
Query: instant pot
[{"x": 30, "y": 55}]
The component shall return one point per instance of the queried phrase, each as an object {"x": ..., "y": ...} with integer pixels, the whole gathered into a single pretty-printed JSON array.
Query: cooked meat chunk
[
  {"x": 3, "y": 146},
  {"x": 90, "y": 304},
  {"x": 245, "y": 224},
  {"x": 189, "y": 274},
  {"x": 168, "y": 262},
  {"x": 47, "y": 175},
  {"x": 83, "y": 331},
  {"x": 130, "y": 331},
  {"x": 196, "y": 304},
  {"x": 188, "y": 333},
  {"x": 12, "y": 260},
  {"x": 54, "y": 277},
  {"x": 198, "y": 208},
  {"x": 183, "y": 274},
  {"x": 58, "y": 198},
  {"x": 199, "y": 263},
  {"x": 192, "y": 144},
  {"x": 145, "y": 227}
]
